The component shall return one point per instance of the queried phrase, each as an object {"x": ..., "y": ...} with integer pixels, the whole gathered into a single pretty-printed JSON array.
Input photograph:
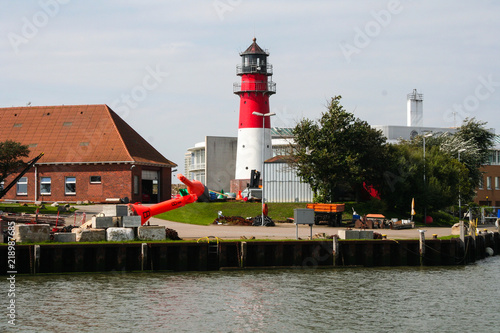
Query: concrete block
[
  {"x": 31, "y": 232},
  {"x": 348, "y": 234},
  {"x": 131, "y": 221},
  {"x": 366, "y": 234},
  {"x": 89, "y": 235},
  {"x": 151, "y": 232},
  {"x": 119, "y": 234},
  {"x": 63, "y": 237},
  {"x": 115, "y": 210},
  {"x": 102, "y": 222}
]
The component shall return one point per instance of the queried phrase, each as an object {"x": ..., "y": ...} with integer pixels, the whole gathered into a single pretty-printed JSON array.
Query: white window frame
[
  {"x": 488, "y": 183},
  {"x": 44, "y": 181},
  {"x": 95, "y": 181},
  {"x": 497, "y": 183},
  {"x": 22, "y": 181},
  {"x": 67, "y": 181}
]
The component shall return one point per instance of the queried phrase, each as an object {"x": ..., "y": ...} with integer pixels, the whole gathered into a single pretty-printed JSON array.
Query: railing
[
  {"x": 253, "y": 68},
  {"x": 265, "y": 87},
  {"x": 197, "y": 166}
]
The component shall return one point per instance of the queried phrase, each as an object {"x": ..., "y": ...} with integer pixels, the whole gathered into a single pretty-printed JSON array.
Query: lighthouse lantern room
[{"x": 254, "y": 131}]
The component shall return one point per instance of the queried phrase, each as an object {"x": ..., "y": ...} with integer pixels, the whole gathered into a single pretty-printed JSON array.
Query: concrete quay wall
[{"x": 228, "y": 255}]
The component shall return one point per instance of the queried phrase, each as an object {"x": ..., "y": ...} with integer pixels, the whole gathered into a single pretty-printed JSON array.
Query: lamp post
[
  {"x": 263, "y": 115},
  {"x": 459, "y": 198},
  {"x": 428, "y": 134}
]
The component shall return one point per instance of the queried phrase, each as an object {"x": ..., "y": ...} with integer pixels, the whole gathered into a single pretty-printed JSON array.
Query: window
[
  {"x": 497, "y": 183},
  {"x": 69, "y": 185},
  {"x": 45, "y": 185},
  {"x": 95, "y": 179},
  {"x": 492, "y": 157},
  {"x": 481, "y": 183},
  {"x": 488, "y": 183},
  {"x": 22, "y": 186},
  {"x": 1, "y": 185}
]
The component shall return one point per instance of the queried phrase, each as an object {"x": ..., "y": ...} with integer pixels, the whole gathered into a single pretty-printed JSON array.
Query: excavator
[{"x": 195, "y": 189}]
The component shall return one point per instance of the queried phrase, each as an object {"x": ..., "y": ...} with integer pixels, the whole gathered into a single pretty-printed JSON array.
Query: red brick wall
[
  {"x": 489, "y": 196},
  {"x": 237, "y": 185},
  {"x": 116, "y": 182}
]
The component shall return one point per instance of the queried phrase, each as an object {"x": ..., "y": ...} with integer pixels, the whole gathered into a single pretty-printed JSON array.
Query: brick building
[
  {"x": 488, "y": 193},
  {"x": 90, "y": 153}
]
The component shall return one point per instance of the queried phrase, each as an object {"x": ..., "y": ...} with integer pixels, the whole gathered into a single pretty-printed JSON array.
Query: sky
[{"x": 167, "y": 67}]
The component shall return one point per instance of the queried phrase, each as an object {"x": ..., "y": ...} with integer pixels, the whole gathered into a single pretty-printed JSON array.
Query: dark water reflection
[{"x": 442, "y": 299}]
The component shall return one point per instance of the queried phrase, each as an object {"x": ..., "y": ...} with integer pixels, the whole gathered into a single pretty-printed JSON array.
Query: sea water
[{"x": 401, "y": 299}]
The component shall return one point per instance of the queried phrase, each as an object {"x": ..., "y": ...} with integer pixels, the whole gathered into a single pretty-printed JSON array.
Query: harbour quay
[{"x": 211, "y": 253}]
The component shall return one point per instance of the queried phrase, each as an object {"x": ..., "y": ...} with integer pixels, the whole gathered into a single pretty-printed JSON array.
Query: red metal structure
[{"x": 195, "y": 190}]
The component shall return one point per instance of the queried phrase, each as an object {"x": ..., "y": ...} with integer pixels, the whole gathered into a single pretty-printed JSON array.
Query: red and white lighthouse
[{"x": 254, "y": 131}]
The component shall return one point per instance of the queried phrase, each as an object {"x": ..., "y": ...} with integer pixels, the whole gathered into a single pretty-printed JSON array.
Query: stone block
[
  {"x": 63, "y": 237},
  {"x": 115, "y": 210},
  {"x": 348, "y": 234},
  {"x": 89, "y": 235},
  {"x": 151, "y": 232},
  {"x": 31, "y": 233},
  {"x": 102, "y": 222},
  {"x": 365, "y": 234},
  {"x": 120, "y": 234},
  {"x": 131, "y": 221}
]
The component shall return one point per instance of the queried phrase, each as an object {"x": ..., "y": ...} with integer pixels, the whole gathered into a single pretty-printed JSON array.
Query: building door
[{"x": 150, "y": 186}]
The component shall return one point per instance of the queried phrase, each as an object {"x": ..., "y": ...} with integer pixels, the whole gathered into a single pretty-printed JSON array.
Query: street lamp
[
  {"x": 263, "y": 115},
  {"x": 428, "y": 134},
  {"x": 459, "y": 198}
]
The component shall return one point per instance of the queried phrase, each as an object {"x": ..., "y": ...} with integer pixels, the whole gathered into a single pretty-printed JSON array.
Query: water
[{"x": 440, "y": 299}]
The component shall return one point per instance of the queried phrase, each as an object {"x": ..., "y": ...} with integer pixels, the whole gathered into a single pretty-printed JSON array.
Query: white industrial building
[
  {"x": 414, "y": 122},
  {"x": 282, "y": 184},
  {"x": 213, "y": 161}
]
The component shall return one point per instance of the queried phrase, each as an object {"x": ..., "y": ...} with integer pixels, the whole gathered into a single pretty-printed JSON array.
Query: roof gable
[{"x": 77, "y": 134}]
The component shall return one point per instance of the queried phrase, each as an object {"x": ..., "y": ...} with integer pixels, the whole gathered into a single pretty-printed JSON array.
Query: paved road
[{"x": 280, "y": 231}]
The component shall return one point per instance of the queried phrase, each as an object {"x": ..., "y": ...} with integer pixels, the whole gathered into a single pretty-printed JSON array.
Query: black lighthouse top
[{"x": 254, "y": 61}]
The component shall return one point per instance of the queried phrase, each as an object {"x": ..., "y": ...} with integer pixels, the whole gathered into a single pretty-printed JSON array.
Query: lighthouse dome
[{"x": 254, "y": 49}]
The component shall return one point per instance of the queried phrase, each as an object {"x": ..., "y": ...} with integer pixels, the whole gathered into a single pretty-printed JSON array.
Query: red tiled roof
[{"x": 77, "y": 134}]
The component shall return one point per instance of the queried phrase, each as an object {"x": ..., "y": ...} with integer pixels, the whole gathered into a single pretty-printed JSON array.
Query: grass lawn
[
  {"x": 28, "y": 208},
  {"x": 204, "y": 213}
]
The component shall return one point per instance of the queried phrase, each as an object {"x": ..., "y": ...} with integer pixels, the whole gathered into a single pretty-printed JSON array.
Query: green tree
[
  {"x": 338, "y": 153},
  {"x": 445, "y": 178},
  {"x": 11, "y": 153},
  {"x": 475, "y": 142}
]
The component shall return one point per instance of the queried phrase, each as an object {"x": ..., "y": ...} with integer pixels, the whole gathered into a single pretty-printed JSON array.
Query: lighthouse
[{"x": 254, "y": 126}]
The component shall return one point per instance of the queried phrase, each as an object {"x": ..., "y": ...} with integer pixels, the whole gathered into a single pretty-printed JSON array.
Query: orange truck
[{"x": 329, "y": 213}]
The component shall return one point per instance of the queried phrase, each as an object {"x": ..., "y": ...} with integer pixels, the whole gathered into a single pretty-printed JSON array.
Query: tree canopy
[
  {"x": 338, "y": 153},
  {"x": 452, "y": 168},
  {"x": 445, "y": 178},
  {"x": 11, "y": 153}
]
